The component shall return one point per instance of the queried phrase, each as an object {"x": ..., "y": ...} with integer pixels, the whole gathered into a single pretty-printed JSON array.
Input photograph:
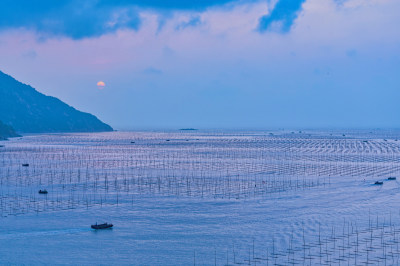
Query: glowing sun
[{"x": 101, "y": 85}]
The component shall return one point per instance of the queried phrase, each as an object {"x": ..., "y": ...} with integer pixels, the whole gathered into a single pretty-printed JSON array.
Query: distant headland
[
  {"x": 7, "y": 132},
  {"x": 25, "y": 110}
]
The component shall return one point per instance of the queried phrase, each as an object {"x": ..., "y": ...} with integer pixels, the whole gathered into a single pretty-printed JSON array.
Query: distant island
[
  {"x": 25, "y": 110},
  {"x": 188, "y": 129}
]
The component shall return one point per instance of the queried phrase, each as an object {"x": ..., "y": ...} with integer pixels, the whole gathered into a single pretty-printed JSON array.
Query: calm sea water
[{"x": 204, "y": 198}]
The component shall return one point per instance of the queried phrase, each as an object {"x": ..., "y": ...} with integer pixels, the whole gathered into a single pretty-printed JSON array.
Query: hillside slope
[{"x": 29, "y": 111}]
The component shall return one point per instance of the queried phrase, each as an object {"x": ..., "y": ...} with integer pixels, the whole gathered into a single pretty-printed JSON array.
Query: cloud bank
[{"x": 78, "y": 19}]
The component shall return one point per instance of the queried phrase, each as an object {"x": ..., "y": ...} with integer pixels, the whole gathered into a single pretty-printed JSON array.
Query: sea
[{"x": 202, "y": 197}]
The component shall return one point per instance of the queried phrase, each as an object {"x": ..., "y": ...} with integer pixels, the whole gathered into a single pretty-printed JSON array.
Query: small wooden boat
[
  {"x": 378, "y": 183},
  {"x": 25, "y": 164},
  {"x": 101, "y": 226},
  {"x": 392, "y": 178},
  {"x": 44, "y": 191}
]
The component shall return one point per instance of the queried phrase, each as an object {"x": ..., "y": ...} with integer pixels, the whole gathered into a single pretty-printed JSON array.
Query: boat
[
  {"x": 392, "y": 178},
  {"x": 378, "y": 183},
  {"x": 44, "y": 191},
  {"x": 25, "y": 164},
  {"x": 101, "y": 226}
]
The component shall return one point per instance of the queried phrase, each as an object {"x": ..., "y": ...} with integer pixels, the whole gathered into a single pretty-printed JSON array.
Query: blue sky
[{"x": 211, "y": 63}]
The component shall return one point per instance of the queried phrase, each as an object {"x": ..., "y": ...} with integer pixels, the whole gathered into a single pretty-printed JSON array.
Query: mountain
[
  {"x": 6, "y": 132},
  {"x": 29, "y": 111}
]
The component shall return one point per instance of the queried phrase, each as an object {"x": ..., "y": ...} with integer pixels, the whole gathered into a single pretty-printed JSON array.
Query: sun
[{"x": 101, "y": 85}]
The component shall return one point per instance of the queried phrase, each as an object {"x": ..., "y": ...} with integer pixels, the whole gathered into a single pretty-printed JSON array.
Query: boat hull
[{"x": 101, "y": 226}]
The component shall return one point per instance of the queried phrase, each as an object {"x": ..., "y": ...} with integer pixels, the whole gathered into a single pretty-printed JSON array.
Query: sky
[{"x": 154, "y": 64}]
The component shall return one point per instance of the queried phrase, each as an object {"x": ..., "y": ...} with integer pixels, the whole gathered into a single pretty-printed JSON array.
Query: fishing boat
[
  {"x": 101, "y": 226},
  {"x": 392, "y": 178},
  {"x": 44, "y": 191},
  {"x": 378, "y": 183},
  {"x": 25, "y": 164}
]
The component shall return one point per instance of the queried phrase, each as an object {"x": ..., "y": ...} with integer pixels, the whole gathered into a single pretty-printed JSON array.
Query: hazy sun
[{"x": 101, "y": 85}]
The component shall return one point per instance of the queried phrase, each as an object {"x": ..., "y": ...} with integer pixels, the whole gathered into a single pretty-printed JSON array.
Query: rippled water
[{"x": 205, "y": 198}]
